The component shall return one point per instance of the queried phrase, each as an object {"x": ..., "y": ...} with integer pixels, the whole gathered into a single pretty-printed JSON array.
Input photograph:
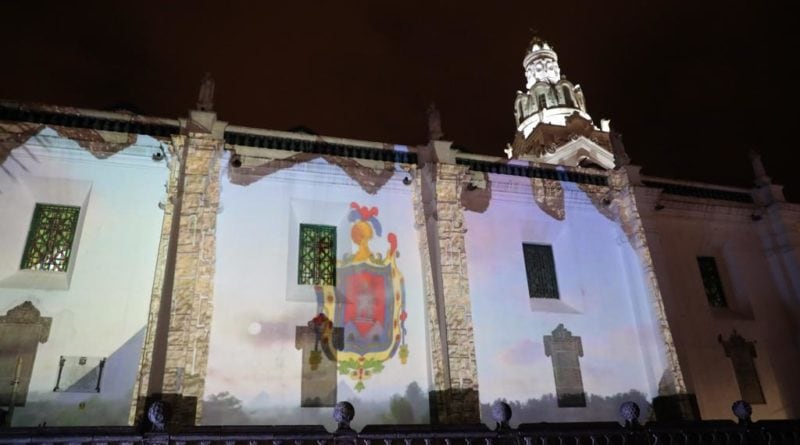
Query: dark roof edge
[{"x": 89, "y": 119}]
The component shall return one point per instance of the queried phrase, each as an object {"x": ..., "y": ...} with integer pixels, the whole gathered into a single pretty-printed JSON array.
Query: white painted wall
[
  {"x": 103, "y": 311},
  {"x": 677, "y": 235}
]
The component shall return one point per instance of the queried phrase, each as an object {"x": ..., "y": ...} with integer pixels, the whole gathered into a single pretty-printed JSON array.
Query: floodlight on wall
[
  {"x": 758, "y": 215},
  {"x": 658, "y": 206},
  {"x": 236, "y": 161}
]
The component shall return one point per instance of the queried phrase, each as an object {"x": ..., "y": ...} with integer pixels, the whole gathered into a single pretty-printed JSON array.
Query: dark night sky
[{"x": 692, "y": 86}]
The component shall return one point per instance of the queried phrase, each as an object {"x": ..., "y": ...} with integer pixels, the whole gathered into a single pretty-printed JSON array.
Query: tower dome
[
  {"x": 550, "y": 108},
  {"x": 541, "y": 63},
  {"x": 550, "y": 97}
]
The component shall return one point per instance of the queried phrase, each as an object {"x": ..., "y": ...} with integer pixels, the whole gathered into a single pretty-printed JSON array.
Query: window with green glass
[
  {"x": 50, "y": 237},
  {"x": 540, "y": 266},
  {"x": 711, "y": 281},
  {"x": 317, "y": 260}
]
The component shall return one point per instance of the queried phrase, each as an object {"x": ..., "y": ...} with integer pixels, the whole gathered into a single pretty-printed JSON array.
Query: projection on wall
[
  {"x": 742, "y": 353},
  {"x": 361, "y": 317},
  {"x": 318, "y": 386},
  {"x": 21, "y": 331},
  {"x": 79, "y": 374},
  {"x": 563, "y": 331},
  {"x": 565, "y": 349}
]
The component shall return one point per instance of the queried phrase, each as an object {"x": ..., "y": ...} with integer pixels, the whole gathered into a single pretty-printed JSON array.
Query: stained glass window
[
  {"x": 541, "y": 269},
  {"x": 711, "y": 281},
  {"x": 50, "y": 237},
  {"x": 317, "y": 261}
]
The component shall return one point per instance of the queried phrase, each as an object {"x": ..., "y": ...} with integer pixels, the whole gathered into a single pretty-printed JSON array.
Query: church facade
[{"x": 252, "y": 276}]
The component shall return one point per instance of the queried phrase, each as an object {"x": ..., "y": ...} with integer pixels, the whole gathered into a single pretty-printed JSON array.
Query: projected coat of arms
[{"x": 366, "y": 305}]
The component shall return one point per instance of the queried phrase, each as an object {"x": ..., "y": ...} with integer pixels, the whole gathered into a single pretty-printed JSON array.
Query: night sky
[{"x": 692, "y": 86}]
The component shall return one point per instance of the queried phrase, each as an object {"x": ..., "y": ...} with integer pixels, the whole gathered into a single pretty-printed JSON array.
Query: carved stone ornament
[
  {"x": 26, "y": 313},
  {"x": 501, "y": 413},
  {"x": 205, "y": 98},
  {"x": 546, "y": 138},
  {"x": 157, "y": 415},
  {"x": 742, "y": 410},
  {"x": 549, "y": 196},
  {"x": 343, "y": 414},
  {"x": 630, "y": 413},
  {"x": 435, "y": 132}
]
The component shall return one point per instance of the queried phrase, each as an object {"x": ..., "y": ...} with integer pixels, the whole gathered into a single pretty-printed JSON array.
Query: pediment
[
  {"x": 568, "y": 144},
  {"x": 577, "y": 150}
]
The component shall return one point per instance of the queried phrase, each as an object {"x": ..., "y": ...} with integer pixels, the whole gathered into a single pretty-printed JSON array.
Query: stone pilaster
[
  {"x": 193, "y": 283},
  {"x": 437, "y": 352},
  {"x": 143, "y": 375},
  {"x": 175, "y": 353},
  {"x": 455, "y": 396},
  {"x": 674, "y": 402}
]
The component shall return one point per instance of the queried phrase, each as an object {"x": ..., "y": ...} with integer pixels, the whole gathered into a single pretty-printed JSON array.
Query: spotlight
[
  {"x": 236, "y": 161},
  {"x": 659, "y": 206},
  {"x": 606, "y": 202},
  {"x": 407, "y": 180}
]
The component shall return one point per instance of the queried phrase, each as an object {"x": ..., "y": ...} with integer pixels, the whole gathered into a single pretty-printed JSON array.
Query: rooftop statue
[
  {"x": 205, "y": 99},
  {"x": 435, "y": 132}
]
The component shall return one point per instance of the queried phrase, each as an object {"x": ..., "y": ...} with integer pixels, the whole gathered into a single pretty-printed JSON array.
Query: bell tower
[{"x": 553, "y": 125}]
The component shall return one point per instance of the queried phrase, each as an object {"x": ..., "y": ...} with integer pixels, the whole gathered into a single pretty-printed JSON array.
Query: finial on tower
[
  {"x": 758, "y": 169},
  {"x": 535, "y": 39},
  {"x": 205, "y": 99},
  {"x": 435, "y": 132}
]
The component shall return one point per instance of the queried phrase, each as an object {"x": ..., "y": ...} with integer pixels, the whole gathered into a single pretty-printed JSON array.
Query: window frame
[
  {"x": 711, "y": 281},
  {"x": 48, "y": 262},
  {"x": 532, "y": 293},
  {"x": 318, "y": 276}
]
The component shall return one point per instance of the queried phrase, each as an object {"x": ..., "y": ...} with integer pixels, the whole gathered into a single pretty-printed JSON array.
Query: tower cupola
[
  {"x": 541, "y": 63},
  {"x": 550, "y": 97},
  {"x": 551, "y": 108}
]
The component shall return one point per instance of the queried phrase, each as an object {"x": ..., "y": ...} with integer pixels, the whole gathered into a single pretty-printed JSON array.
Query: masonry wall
[
  {"x": 257, "y": 364},
  {"x": 98, "y": 309}
]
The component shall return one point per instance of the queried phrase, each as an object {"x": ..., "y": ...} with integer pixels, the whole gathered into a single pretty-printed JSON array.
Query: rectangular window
[
  {"x": 50, "y": 237},
  {"x": 711, "y": 281},
  {"x": 541, "y": 269},
  {"x": 317, "y": 260}
]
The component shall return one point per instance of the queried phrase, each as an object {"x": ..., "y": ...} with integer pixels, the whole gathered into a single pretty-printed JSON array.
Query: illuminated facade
[{"x": 250, "y": 276}]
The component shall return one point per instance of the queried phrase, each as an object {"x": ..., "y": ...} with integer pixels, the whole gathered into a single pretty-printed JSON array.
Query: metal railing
[{"x": 155, "y": 431}]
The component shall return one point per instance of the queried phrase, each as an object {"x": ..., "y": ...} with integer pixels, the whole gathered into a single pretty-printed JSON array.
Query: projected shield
[{"x": 367, "y": 302}]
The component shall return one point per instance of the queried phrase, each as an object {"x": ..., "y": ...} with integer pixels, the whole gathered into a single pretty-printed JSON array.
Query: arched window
[
  {"x": 542, "y": 101},
  {"x": 568, "y": 96}
]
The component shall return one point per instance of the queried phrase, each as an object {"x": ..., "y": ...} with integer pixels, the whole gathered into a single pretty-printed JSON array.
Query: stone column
[
  {"x": 674, "y": 401},
  {"x": 177, "y": 342},
  {"x": 777, "y": 222},
  {"x": 455, "y": 395},
  {"x": 145, "y": 371}
]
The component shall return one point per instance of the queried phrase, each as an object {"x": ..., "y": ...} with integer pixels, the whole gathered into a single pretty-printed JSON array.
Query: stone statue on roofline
[
  {"x": 205, "y": 99},
  {"x": 435, "y": 132}
]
